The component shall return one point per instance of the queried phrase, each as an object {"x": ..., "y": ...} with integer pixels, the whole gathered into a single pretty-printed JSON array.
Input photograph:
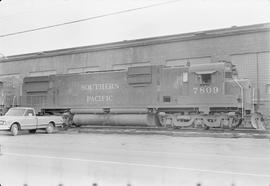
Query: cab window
[
  {"x": 204, "y": 78},
  {"x": 29, "y": 113}
]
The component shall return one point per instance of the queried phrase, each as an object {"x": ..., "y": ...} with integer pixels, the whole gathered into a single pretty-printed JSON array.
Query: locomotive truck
[{"x": 192, "y": 96}]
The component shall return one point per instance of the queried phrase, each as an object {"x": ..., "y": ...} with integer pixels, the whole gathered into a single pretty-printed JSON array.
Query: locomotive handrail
[{"x": 242, "y": 96}]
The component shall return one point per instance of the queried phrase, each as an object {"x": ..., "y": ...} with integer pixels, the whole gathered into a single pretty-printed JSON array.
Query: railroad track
[{"x": 163, "y": 129}]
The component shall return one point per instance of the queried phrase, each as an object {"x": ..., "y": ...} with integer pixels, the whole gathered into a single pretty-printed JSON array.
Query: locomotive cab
[
  {"x": 217, "y": 84},
  {"x": 207, "y": 87},
  {"x": 211, "y": 96}
]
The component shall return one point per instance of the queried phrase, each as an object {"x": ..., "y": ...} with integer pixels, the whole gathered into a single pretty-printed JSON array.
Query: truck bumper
[{"x": 4, "y": 127}]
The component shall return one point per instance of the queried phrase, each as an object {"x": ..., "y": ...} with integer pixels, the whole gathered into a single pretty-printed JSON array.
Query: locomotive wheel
[
  {"x": 182, "y": 120},
  {"x": 236, "y": 122},
  {"x": 164, "y": 119},
  {"x": 212, "y": 121},
  {"x": 257, "y": 121},
  {"x": 199, "y": 123},
  {"x": 175, "y": 120},
  {"x": 225, "y": 123}
]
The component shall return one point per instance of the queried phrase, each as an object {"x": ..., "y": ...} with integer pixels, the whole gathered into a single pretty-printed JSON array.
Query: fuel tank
[{"x": 115, "y": 119}]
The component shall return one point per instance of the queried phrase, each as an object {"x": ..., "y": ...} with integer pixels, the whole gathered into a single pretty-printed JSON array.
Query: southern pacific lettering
[
  {"x": 100, "y": 86},
  {"x": 99, "y": 98}
]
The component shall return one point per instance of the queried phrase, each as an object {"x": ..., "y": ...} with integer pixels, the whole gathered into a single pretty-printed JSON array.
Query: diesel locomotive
[{"x": 191, "y": 96}]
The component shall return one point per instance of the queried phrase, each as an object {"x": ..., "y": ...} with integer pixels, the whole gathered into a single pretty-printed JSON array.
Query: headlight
[{"x": 2, "y": 122}]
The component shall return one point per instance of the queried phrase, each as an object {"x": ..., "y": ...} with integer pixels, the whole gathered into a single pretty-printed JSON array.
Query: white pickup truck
[{"x": 24, "y": 118}]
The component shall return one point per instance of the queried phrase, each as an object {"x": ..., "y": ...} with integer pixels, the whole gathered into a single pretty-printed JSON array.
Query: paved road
[{"x": 114, "y": 159}]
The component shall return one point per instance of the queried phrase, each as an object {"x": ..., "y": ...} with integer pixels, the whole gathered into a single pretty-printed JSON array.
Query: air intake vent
[
  {"x": 167, "y": 99},
  {"x": 228, "y": 74},
  {"x": 139, "y": 76}
]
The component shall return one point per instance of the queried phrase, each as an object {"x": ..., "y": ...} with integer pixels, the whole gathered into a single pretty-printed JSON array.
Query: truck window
[
  {"x": 15, "y": 112},
  {"x": 29, "y": 113}
]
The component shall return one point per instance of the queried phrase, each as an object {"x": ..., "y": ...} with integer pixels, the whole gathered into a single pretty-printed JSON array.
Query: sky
[{"x": 169, "y": 18}]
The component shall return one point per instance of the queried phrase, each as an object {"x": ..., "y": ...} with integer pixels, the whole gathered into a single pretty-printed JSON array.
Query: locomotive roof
[{"x": 210, "y": 67}]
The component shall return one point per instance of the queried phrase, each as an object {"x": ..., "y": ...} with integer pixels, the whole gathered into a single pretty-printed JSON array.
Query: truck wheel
[
  {"x": 50, "y": 128},
  {"x": 32, "y": 131},
  {"x": 14, "y": 129}
]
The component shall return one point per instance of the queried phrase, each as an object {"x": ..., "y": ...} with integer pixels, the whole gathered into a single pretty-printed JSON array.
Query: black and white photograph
[{"x": 135, "y": 93}]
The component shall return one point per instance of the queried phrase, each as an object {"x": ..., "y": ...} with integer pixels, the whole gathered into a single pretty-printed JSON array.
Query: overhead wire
[{"x": 89, "y": 18}]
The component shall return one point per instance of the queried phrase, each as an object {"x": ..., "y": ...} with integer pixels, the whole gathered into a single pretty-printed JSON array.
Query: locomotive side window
[
  {"x": 166, "y": 98},
  {"x": 204, "y": 78},
  {"x": 185, "y": 77}
]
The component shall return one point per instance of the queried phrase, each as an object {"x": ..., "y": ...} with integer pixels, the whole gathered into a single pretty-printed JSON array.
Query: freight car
[{"x": 196, "y": 96}]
